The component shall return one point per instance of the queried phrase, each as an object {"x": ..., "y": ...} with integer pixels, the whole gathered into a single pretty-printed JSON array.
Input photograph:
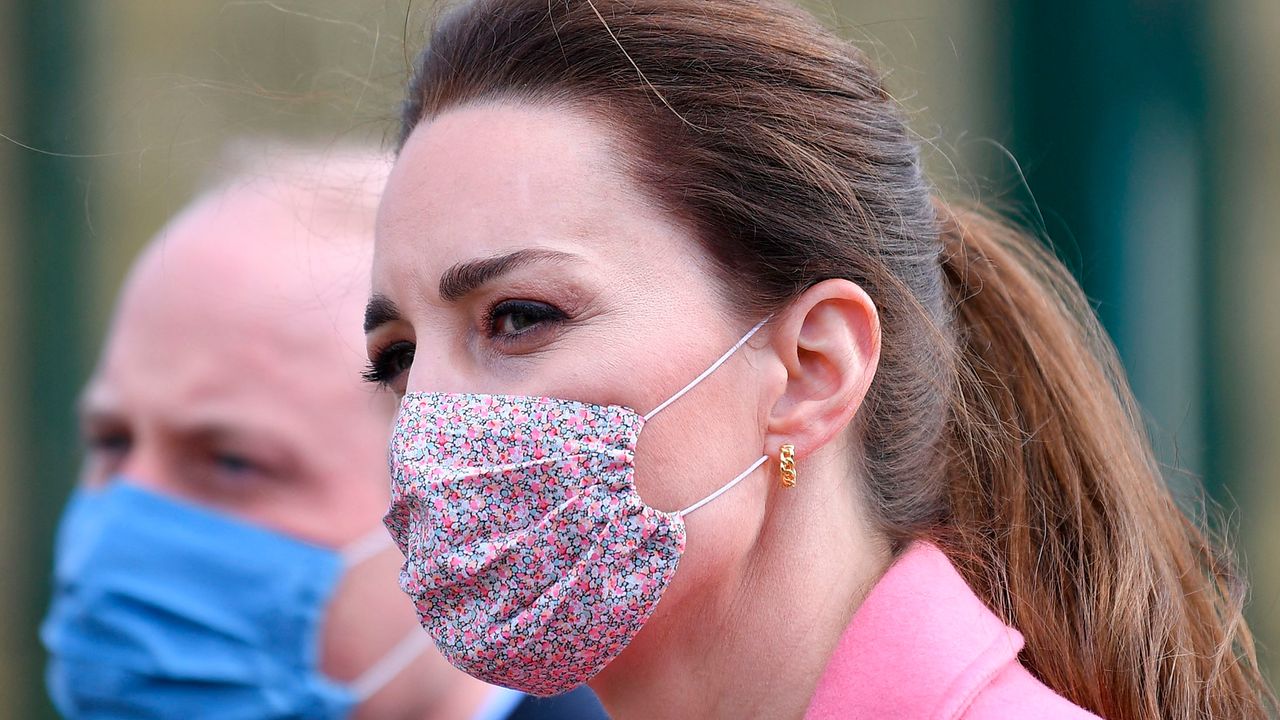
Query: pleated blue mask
[{"x": 164, "y": 609}]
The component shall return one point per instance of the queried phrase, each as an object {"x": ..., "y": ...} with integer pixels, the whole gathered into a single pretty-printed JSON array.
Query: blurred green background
[{"x": 1145, "y": 134}]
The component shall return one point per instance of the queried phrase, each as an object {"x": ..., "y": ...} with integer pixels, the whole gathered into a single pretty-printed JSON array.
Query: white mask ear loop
[
  {"x": 714, "y": 366},
  {"x": 679, "y": 394},
  {"x": 392, "y": 664},
  {"x": 382, "y": 672},
  {"x": 725, "y": 488},
  {"x": 365, "y": 547}
]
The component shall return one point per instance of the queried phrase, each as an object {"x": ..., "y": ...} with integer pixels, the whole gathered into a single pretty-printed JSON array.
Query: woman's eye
[
  {"x": 512, "y": 318},
  {"x": 390, "y": 363}
]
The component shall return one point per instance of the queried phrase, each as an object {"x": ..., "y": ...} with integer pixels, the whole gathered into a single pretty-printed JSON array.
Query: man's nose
[{"x": 144, "y": 466}]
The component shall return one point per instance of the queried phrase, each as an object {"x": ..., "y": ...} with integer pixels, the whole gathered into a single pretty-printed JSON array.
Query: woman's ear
[{"x": 828, "y": 340}]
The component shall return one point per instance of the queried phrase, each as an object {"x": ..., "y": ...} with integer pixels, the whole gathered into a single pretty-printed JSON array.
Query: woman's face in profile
[{"x": 514, "y": 256}]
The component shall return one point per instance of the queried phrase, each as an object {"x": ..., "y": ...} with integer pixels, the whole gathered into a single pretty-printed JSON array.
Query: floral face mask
[{"x": 530, "y": 556}]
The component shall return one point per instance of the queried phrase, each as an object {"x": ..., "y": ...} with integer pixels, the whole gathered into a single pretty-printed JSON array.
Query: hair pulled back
[{"x": 999, "y": 424}]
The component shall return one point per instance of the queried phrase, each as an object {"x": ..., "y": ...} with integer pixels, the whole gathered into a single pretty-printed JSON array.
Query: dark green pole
[
  {"x": 51, "y": 253},
  {"x": 1109, "y": 118}
]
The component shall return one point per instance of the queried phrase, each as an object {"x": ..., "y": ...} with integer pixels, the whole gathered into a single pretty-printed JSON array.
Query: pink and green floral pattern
[{"x": 530, "y": 557}]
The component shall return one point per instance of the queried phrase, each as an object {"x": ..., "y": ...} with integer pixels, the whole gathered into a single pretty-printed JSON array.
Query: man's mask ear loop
[
  {"x": 387, "y": 668},
  {"x": 391, "y": 665},
  {"x": 694, "y": 383}
]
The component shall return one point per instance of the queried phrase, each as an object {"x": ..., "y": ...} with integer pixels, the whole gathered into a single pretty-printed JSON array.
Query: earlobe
[{"x": 828, "y": 340}]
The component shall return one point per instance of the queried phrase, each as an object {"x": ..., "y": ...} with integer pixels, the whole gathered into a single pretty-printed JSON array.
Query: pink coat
[{"x": 924, "y": 646}]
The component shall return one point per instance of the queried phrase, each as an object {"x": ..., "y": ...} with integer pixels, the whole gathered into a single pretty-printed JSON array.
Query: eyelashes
[
  {"x": 510, "y": 320},
  {"x": 512, "y": 325},
  {"x": 388, "y": 363}
]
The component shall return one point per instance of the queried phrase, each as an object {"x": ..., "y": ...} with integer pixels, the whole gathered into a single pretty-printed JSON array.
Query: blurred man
[{"x": 223, "y": 556}]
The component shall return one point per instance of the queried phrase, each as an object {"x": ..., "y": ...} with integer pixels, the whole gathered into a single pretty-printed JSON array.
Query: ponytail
[{"x": 1058, "y": 516}]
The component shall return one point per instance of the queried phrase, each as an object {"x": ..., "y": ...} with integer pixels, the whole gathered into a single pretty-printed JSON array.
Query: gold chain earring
[{"x": 787, "y": 465}]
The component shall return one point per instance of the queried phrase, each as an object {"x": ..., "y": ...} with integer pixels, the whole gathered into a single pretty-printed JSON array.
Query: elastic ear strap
[
  {"x": 366, "y": 546},
  {"x": 725, "y": 488},
  {"x": 391, "y": 665},
  {"x": 714, "y": 366}
]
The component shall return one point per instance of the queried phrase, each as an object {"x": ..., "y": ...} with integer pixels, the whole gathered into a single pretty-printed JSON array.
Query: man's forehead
[
  {"x": 207, "y": 340},
  {"x": 213, "y": 390},
  {"x": 248, "y": 255},
  {"x": 248, "y": 239},
  {"x": 234, "y": 293}
]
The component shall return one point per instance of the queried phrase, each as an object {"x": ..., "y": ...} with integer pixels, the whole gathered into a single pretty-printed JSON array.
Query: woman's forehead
[
  {"x": 488, "y": 181},
  {"x": 531, "y": 162}
]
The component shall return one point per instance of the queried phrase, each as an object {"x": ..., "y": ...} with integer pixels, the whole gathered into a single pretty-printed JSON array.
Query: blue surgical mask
[{"x": 164, "y": 609}]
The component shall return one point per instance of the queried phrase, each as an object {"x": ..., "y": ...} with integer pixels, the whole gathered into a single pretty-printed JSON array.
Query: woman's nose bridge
[{"x": 439, "y": 367}]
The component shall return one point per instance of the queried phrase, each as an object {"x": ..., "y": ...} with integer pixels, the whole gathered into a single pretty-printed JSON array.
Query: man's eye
[
  {"x": 112, "y": 443},
  {"x": 106, "y": 452},
  {"x": 511, "y": 318},
  {"x": 232, "y": 463}
]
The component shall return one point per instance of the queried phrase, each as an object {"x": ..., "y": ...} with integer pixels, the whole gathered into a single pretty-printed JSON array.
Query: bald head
[
  {"x": 294, "y": 241},
  {"x": 231, "y": 371}
]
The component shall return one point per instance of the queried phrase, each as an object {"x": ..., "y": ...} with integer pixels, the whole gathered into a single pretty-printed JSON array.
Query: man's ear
[{"x": 828, "y": 340}]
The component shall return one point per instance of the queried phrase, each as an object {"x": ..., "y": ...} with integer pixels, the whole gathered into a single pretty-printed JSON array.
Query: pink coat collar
[{"x": 922, "y": 645}]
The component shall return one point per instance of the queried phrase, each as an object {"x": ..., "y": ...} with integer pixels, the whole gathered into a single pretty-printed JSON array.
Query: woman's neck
[{"x": 755, "y": 642}]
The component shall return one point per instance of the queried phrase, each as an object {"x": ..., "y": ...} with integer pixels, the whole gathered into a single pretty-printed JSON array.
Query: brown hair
[{"x": 999, "y": 424}]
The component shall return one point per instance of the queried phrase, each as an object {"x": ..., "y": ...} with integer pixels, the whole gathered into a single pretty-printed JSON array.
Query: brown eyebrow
[
  {"x": 458, "y": 281},
  {"x": 379, "y": 312},
  {"x": 216, "y": 432}
]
